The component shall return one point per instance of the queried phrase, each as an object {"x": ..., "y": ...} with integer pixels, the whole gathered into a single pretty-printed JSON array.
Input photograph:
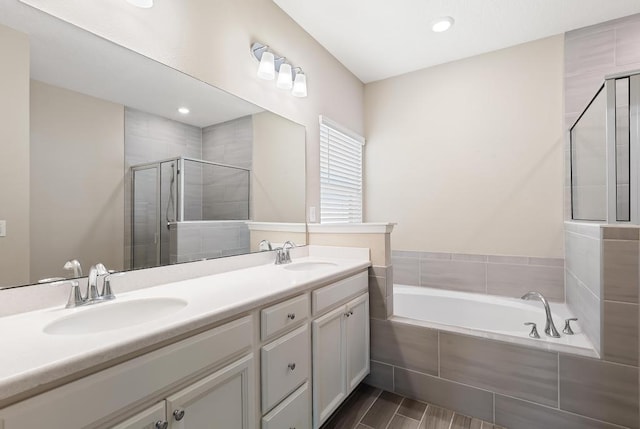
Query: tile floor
[{"x": 371, "y": 408}]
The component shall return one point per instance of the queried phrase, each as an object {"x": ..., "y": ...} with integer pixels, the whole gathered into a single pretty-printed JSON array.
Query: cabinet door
[
  {"x": 223, "y": 400},
  {"x": 329, "y": 369},
  {"x": 357, "y": 333},
  {"x": 151, "y": 418}
]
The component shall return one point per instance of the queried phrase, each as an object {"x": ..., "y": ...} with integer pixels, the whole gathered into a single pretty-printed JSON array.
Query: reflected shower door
[{"x": 146, "y": 217}]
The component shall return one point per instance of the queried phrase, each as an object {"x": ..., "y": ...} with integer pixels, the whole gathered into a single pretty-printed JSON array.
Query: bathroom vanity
[{"x": 265, "y": 346}]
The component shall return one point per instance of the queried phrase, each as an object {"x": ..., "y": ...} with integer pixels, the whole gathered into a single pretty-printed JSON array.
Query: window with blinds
[{"x": 340, "y": 174}]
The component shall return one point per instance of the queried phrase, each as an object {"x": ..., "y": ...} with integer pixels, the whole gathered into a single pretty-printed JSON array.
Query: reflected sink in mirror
[
  {"x": 309, "y": 266},
  {"x": 114, "y": 315}
]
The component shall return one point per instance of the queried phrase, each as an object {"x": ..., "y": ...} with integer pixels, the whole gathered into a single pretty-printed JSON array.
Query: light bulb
[
  {"x": 442, "y": 24},
  {"x": 285, "y": 80},
  {"x": 267, "y": 68},
  {"x": 300, "y": 85},
  {"x": 183, "y": 110}
]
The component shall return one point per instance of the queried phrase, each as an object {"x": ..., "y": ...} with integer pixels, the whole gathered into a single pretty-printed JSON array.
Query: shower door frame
[
  {"x": 149, "y": 166},
  {"x": 611, "y": 186}
]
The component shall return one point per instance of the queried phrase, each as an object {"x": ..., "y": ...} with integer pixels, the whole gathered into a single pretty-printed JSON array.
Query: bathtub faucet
[{"x": 549, "y": 327}]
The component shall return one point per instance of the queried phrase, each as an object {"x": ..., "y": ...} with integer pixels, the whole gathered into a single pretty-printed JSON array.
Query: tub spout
[{"x": 549, "y": 327}]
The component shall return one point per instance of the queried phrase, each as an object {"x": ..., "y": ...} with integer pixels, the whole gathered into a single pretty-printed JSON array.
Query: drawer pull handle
[
  {"x": 161, "y": 424},
  {"x": 178, "y": 414},
  {"x": 292, "y": 366},
  {"x": 291, "y": 316}
]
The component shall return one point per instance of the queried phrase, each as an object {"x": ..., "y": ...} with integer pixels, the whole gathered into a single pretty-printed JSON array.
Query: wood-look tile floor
[{"x": 371, "y": 408}]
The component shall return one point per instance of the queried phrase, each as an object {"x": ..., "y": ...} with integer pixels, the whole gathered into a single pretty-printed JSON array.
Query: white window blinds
[{"x": 340, "y": 174}]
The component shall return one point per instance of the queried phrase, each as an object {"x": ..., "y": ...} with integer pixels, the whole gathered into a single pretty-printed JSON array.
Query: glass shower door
[{"x": 146, "y": 217}]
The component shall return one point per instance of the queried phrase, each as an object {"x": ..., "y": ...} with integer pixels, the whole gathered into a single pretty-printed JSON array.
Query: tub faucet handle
[
  {"x": 567, "y": 326},
  {"x": 534, "y": 330}
]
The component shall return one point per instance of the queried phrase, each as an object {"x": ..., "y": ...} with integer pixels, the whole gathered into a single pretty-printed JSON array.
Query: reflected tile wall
[{"x": 193, "y": 241}]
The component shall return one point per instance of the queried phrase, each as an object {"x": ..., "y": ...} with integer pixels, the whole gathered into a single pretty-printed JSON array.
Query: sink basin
[
  {"x": 309, "y": 266},
  {"x": 114, "y": 315}
]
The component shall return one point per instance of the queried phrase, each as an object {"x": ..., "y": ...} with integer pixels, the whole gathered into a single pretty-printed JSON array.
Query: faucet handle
[
  {"x": 107, "y": 292},
  {"x": 534, "y": 330},
  {"x": 567, "y": 325},
  {"x": 75, "y": 297}
]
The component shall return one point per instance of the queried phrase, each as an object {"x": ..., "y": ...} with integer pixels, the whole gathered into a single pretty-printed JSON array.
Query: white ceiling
[
  {"x": 69, "y": 57},
  {"x": 377, "y": 39}
]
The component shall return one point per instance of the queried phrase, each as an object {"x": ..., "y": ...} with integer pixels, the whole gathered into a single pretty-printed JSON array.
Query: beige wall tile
[
  {"x": 512, "y": 370},
  {"x": 381, "y": 376},
  {"x": 620, "y": 333},
  {"x": 454, "y": 275},
  {"x": 517, "y": 414},
  {"x": 620, "y": 270},
  {"x": 598, "y": 389},
  {"x": 454, "y": 396},
  {"x": 407, "y": 346},
  {"x": 516, "y": 280}
]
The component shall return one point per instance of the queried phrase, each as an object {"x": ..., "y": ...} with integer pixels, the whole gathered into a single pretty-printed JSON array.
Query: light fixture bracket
[{"x": 257, "y": 49}]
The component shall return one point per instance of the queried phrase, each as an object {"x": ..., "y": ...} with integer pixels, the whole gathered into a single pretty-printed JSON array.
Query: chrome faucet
[
  {"x": 264, "y": 245},
  {"x": 549, "y": 327},
  {"x": 282, "y": 253},
  {"x": 74, "y": 265},
  {"x": 95, "y": 271},
  {"x": 92, "y": 296}
]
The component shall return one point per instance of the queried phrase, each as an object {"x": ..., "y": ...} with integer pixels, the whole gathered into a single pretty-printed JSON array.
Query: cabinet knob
[
  {"x": 349, "y": 313},
  {"x": 291, "y": 316},
  {"x": 161, "y": 424},
  {"x": 292, "y": 366},
  {"x": 178, "y": 414}
]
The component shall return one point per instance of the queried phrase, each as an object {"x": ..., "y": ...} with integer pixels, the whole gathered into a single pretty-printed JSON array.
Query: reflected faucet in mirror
[{"x": 74, "y": 265}]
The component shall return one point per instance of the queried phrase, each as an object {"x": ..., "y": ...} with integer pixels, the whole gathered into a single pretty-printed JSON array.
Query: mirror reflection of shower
[
  {"x": 187, "y": 209},
  {"x": 171, "y": 207}
]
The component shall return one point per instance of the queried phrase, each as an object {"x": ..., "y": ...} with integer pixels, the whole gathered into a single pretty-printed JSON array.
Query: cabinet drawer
[
  {"x": 285, "y": 366},
  {"x": 328, "y": 296},
  {"x": 281, "y": 317},
  {"x": 294, "y": 412}
]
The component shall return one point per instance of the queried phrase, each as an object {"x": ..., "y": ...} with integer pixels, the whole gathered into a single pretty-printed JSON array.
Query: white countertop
[{"x": 31, "y": 358}]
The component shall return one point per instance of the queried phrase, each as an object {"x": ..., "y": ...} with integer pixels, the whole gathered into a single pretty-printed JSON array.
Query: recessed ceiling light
[
  {"x": 183, "y": 110},
  {"x": 141, "y": 3},
  {"x": 442, "y": 24}
]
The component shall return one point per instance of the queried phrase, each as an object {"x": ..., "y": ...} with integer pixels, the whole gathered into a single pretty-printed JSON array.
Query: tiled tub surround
[
  {"x": 215, "y": 291},
  {"x": 511, "y": 276},
  {"x": 602, "y": 277},
  {"x": 510, "y": 385},
  {"x": 486, "y": 316}
]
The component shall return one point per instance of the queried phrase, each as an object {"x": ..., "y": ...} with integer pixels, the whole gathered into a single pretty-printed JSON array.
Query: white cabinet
[
  {"x": 285, "y": 366},
  {"x": 152, "y": 418},
  {"x": 293, "y": 413},
  {"x": 222, "y": 400},
  {"x": 340, "y": 355}
]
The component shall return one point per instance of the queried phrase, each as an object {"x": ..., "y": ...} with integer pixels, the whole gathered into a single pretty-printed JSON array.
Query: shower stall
[
  {"x": 187, "y": 209},
  {"x": 604, "y": 150}
]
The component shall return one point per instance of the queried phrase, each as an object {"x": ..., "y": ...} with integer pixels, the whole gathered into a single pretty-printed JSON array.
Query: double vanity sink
[
  {"x": 126, "y": 313},
  {"x": 270, "y": 307}
]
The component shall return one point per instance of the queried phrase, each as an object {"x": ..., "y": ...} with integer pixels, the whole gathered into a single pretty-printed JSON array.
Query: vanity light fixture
[
  {"x": 285, "y": 77},
  {"x": 300, "y": 85},
  {"x": 184, "y": 110},
  {"x": 146, "y": 4},
  {"x": 289, "y": 77},
  {"x": 442, "y": 24}
]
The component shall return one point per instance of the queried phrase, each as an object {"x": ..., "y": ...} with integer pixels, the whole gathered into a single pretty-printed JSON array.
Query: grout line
[
  {"x": 494, "y": 409},
  {"x": 453, "y": 416},
  {"x": 424, "y": 416},
  {"x": 368, "y": 408},
  {"x": 394, "y": 414},
  {"x": 439, "y": 353}
]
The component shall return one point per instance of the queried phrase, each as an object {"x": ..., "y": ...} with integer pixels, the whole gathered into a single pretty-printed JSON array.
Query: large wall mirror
[{"x": 135, "y": 164}]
